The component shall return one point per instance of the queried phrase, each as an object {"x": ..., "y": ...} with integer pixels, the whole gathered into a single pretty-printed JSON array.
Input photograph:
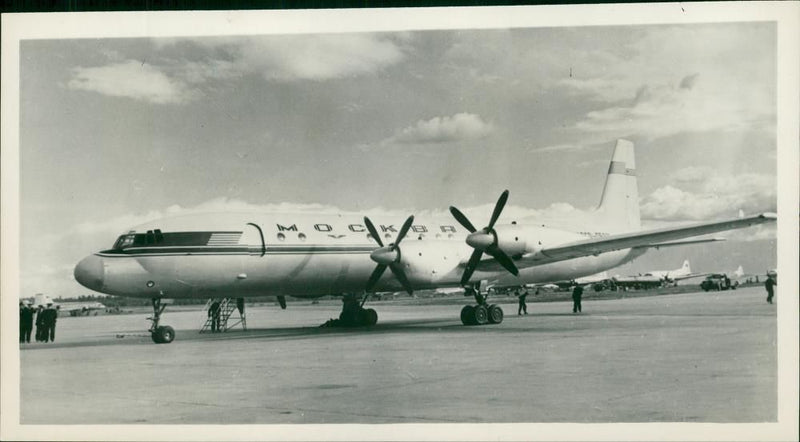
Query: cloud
[
  {"x": 662, "y": 83},
  {"x": 131, "y": 79},
  {"x": 437, "y": 130},
  {"x": 176, "y": 80},
  {"x": 717, "y": 196},
  {"x": 318, "y": 57}
]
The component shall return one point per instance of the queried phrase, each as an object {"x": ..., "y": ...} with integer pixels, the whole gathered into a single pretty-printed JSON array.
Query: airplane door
[{"x": 253, "y": 238}]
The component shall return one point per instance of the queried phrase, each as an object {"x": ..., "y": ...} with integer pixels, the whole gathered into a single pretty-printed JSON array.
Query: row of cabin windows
[
  {"x": 302, "y": 236},
  {"x": 157, "y": 238}
]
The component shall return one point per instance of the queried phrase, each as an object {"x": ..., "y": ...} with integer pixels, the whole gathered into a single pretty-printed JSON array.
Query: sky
[{"x": 115, "y": 132}]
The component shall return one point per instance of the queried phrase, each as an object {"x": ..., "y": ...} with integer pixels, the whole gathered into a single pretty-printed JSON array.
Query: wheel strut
[
  {"x": 481, "y": 313},
  {"x": 160, "y": 334}
]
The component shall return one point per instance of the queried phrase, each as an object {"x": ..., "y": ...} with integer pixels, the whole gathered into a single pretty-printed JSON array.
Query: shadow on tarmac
[{"x": 408, "y": 326}]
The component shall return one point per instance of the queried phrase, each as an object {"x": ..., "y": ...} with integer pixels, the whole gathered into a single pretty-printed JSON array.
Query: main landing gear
[
  {"x": 160, "y": 334},
  {"x": 354, "y": 314},
  {"x": 481, "y": 313}
]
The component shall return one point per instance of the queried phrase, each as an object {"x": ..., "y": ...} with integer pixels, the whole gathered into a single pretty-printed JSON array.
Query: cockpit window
[{"x": 124, "y": 241}]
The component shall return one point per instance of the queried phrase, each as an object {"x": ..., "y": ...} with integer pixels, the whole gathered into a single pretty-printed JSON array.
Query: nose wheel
[{"x": 160, "y": 334}]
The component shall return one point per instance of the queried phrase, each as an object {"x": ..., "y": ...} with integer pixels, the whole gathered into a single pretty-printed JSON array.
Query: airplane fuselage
[{"x": 312, "y": 255}]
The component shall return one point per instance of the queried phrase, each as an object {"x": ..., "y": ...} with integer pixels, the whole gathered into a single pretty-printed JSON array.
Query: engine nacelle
[
  {"x": 429, "y": 261},
  {"x": 515, "y": 240}
]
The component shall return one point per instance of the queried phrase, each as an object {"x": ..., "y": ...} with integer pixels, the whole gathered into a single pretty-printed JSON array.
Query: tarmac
[{"x": 695, "y": 357}]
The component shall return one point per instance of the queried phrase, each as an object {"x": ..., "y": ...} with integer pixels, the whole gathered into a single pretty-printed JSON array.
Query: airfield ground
[{"x": 693, "y": 357}]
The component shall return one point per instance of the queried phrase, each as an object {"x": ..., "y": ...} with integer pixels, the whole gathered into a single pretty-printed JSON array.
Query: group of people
[
  {"x": 577, "y": 295},
  {"x": 45, "y": 321}
]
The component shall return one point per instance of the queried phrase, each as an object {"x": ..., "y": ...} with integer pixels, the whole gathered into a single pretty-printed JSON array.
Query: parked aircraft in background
[
  {"x": 657, "y": 278},
  {"x": 74, "y": 308},
  {"x": 312, "y": 255}
]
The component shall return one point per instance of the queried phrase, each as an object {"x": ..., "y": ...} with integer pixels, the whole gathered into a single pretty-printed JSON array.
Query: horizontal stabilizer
[{"x": 644, "y": 238}]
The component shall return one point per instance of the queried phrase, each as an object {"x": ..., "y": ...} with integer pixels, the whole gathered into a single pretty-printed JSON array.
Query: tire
[
  {"x": 495, "y": 314},
  {"x": 480, "y": 315},
  {"x": 163, "y": 335},
  {"x": 369, "y": 317},
  {"x": 467, "y": 315}
]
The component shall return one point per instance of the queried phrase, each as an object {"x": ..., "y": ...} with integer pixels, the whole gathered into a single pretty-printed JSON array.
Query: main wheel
[
  {"x": 163, "y": 335},
  {"x": 368, "y": 317},
  {"x": 495, "y": 314},
  {"x": 481, "y": 316},
  {"x": 467, "y": 315}
]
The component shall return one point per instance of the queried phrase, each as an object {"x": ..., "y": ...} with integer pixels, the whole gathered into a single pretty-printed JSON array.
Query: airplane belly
[{"x": 306, "y": 274}]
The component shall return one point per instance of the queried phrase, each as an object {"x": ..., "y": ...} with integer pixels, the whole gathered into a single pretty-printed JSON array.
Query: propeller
[
  {"x": 388, "y": 256},
  {"x": 484, "y": 240}
]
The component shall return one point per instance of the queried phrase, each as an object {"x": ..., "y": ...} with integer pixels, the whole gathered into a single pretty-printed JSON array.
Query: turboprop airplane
[
  {"x": 313, "y": 255},
  {"x": 657, "y": 278}
]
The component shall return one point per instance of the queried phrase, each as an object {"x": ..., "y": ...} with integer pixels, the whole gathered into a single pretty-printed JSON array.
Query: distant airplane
[
  {"x": 76, "y": 308},
  {"x": 657, "y": 278},
  {"x": 313, "y": 255}
]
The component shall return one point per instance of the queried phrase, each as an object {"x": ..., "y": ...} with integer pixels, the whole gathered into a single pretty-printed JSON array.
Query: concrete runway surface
[{"x": 697, "y": 357}]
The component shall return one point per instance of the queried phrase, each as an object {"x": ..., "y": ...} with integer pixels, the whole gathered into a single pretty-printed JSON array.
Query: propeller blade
[
  {"x": 471, "y": 264},
  {"x": 498, "y": 208},
  {"x": 375, "y": 276},
  {"x": 462, "y": 219},
  {"x": 503, "y": 259},
  {"x": 372, "y": 231},
  {"x": 401, "y": 276},
  {"x": 404, "y": 230}
]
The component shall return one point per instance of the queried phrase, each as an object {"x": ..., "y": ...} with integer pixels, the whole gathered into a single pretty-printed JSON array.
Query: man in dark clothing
[
  {"x": 769, "y": 284},
  {"x": 25, "y": 323},
  {"x": 523, "y": 307},
  {"x": 40, "y": 324},
  {"x": 577, "y": 293},
  {"x": 49, "y": 321},
  {"x": 213, "y": 313}
]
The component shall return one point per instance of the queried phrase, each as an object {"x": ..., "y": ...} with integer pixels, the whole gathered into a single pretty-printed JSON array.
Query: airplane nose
[{"x": 90, "y": 272}]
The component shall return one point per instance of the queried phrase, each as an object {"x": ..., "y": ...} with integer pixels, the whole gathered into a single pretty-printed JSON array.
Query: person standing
[
  {"x": 22, "y": 309},
  {"x": 770, "y": 284},
  {"x": 26, "y": 323},
  {"x": 577, "y": 293},
  {"x": 523, "y": 307},
  {"x": 49, "y": 321},
  {"x": 40, "y": 324},
  {"x": 213, "y": 313}
]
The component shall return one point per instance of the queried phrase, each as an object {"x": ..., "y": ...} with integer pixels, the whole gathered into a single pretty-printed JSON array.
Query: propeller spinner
[
  {"x": 484, "y": 240},
  {"x": 388, "y": 256}
]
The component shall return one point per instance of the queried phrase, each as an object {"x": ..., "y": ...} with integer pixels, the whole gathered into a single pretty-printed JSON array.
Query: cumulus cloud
[
  {"x": 275, "y": 58},
  {"x": 132, "y": 79},
  {"x": 318, "y": 57},
  {"x": 664, "y": 83},
  {"x": 437, "y": 130},
  {"x": 715, "y": 196}
]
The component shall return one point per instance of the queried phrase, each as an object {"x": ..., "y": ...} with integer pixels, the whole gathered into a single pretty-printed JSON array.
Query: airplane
[
  {"x": 80, "y": 308},
  {"x": 657, "y": 278},
  {"x": 74, "y": 308},
  {"x": 312, "y": 255}
]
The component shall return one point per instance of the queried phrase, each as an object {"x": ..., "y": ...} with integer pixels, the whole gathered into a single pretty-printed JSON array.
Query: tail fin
[
  {"x": 739, "y": 272},
  {"x": 619, "y": 204},
  {"x": 686, "y": 266}
]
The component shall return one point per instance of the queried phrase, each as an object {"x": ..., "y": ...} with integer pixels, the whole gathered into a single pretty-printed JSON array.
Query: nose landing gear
[{"x": 163, "y": 334}]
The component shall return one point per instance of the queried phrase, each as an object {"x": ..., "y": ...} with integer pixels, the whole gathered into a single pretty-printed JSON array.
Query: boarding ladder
[{"x": 226, "y": 308}]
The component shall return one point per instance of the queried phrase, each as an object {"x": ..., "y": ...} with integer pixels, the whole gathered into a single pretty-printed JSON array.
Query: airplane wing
[
  {"x": 647, "y": 238},
  {"x": 679, "y": 243}
]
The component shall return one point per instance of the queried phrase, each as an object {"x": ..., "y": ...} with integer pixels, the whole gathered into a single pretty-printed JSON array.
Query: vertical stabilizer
[
  {"x": 619, "y": 204},
  {"x": 686, "y": 267}
]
